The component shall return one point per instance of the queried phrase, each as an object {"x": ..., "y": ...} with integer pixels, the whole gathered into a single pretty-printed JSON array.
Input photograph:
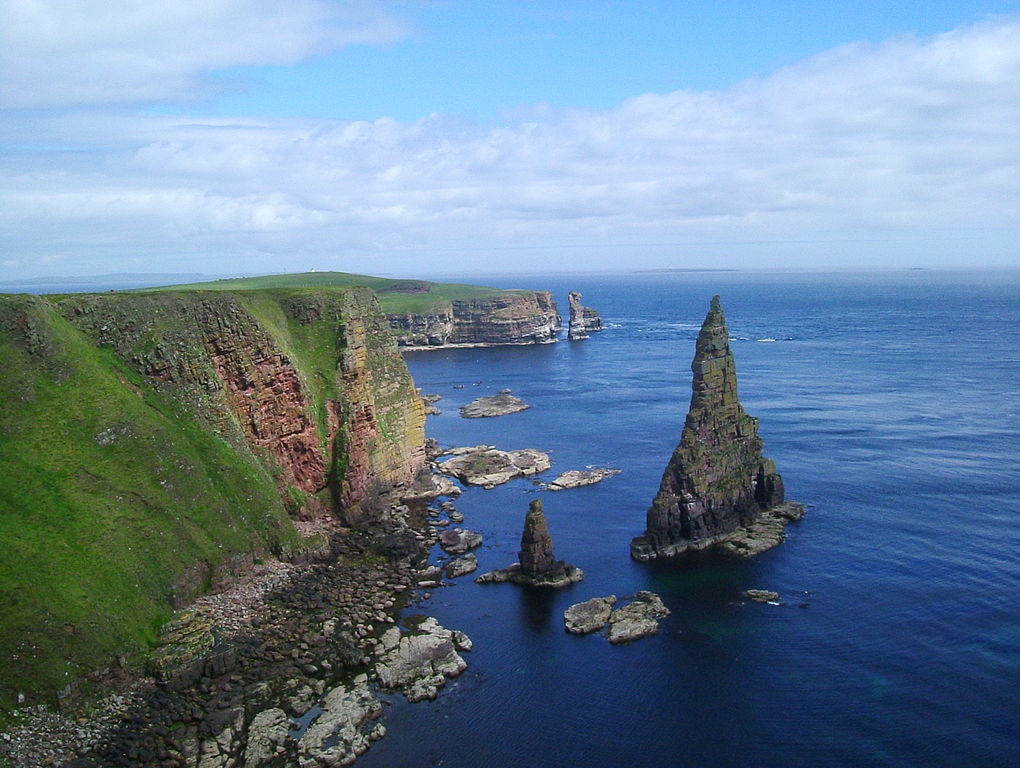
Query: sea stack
[
  {"x": 717, "y": 489},
  {"x": 583, "y": 320},
  {"x": 537, "y": 567}
]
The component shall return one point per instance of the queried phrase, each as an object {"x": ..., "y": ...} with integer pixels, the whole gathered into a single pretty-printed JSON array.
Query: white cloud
[
  {"x": 55, "y": 53},
  {"x": 905, "y": 138}
]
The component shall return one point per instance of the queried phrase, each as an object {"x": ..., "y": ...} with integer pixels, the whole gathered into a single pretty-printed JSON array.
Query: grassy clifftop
[
  {"x": 150, "y": 441},
  {"x": 395, "y": 295}
]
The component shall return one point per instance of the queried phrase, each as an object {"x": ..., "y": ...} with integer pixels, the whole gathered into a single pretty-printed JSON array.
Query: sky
[{"x": 446, "y": 137}]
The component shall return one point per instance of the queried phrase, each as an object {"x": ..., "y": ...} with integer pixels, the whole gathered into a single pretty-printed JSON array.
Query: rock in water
[
  {"x": 536, "y": 555},
  {"x": 717, "y": 483},
  {"x": 537, "y": 566},
  {"x": 583, "y": 320}
]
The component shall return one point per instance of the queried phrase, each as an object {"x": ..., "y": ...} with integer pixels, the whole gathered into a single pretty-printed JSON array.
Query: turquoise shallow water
[{"x": 891, "y": 406}]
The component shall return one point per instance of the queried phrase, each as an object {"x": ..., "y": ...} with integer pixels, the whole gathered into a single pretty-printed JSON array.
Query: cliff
[
  {"x": 717, "y": 483},
  {"x": 506, "y": 317},
  {"x": 154, "y": 442}
]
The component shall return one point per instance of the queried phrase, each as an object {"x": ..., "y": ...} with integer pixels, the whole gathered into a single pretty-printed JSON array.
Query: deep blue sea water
[{"x": 891, "y": 405}]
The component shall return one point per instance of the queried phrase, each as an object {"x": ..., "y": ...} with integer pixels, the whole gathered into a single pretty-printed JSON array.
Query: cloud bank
[{"x": 863, "y": 154}]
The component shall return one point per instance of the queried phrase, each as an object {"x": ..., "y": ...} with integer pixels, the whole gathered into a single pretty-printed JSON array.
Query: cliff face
[
  {"x": 152, "y": 442},
  {"x": 717, "y": 479},
  {"x": 511, "y": 317},
  {"x": 308, "y": 382}
]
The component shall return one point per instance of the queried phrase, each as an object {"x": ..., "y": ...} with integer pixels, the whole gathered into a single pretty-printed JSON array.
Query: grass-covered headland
[{"x": 128, "y": 479}]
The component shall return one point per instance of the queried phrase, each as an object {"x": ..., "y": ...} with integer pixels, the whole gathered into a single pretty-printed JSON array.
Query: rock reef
[
  {"x": 537, "y": 566},
  {"x": 638, "y": 618},
  {"x": 488, "y": 467},
  {"x": 717, "y": 486},
  {"x": 501, "y": 404}
]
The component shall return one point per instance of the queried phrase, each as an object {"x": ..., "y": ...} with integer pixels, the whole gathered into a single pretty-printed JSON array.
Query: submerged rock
[
  {"x": 537, "y": 567},
  {"x": 761, "y": 595},
  {"x": 717, "y": 485}
]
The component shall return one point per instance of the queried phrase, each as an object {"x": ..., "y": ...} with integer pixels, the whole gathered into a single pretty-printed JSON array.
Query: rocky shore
[{"x": 283, "y": 670}]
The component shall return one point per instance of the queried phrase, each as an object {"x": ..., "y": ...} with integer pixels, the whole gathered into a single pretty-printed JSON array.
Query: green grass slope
[
  {"x": 109, "y": 492},
  {"x": 396, "y": 296}
]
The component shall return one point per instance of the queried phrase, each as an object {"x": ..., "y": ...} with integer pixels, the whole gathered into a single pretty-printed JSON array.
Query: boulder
[
  {"x": 461, "y": 566},
  {"x": 267, "y": 736},
  {"x": 456, "y": 541}
]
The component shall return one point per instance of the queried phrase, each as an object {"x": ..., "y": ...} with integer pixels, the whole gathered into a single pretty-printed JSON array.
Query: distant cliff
[
  {"x": 717, "y": 487},
  {"x": 505, "y": 317},
  {"x": 151, "y": 441}
]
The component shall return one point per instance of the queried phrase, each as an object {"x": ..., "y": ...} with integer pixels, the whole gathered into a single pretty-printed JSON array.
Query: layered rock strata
[
  {"x": 510, "y": 317},
  {"x": 717, "y": 482},
  {"x": 537, "y": 566},
  {"x": 583, "y": 320},
  {"x": 241, "y": 363}
]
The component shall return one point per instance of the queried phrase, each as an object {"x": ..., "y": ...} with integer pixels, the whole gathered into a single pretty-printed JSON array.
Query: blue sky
[{"x": 432, "y": 137}]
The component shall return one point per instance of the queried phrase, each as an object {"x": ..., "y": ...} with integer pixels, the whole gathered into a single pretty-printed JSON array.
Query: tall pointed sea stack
[{"x": 717, "y": 487}]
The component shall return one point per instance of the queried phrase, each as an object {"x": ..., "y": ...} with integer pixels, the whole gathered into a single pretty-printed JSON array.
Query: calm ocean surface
[{"x": 891, "y": 405}]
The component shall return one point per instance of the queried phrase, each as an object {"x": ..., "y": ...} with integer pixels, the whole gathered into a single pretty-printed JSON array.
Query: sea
[{"x": 890, "y": 403}]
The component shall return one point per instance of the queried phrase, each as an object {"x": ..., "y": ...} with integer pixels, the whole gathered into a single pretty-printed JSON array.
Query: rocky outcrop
[
  {"x": 501, "y": 404},
  {"x": 537, "y": 567},
  {"x": 488, "y": 467},
  {"x": 717, "y": 482},
  {"x": 583, "y": 320},
  {"x": 417, "y": 664},
  {"x": 505, "y": 317},
  {"x": 578, "y": 478},
  {"x": 638, "y": 618},
  {"x": 589, "y": 616}
]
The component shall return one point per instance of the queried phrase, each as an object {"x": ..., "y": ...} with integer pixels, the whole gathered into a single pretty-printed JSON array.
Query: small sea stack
[
  {"x": 717, "y": 489},
  {"x": 583, "y": 320},
  {"x": 537, "y": 566}
]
